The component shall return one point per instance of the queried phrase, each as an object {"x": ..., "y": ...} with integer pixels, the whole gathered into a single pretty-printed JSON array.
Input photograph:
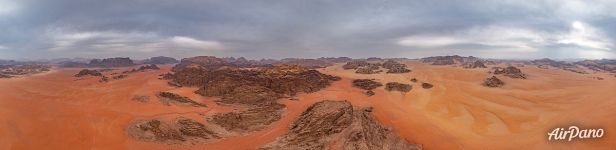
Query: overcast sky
[{"x": 36, "y": 29}]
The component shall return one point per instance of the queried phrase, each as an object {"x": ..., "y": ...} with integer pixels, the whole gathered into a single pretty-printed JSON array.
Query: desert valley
[{"x": 207, "y": 102}]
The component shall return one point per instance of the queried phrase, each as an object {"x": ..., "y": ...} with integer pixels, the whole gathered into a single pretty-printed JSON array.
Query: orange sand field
[{"x": 53, "y": 111}]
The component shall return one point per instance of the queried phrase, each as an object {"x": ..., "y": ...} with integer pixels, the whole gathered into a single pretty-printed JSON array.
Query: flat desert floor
[{"x": 55, "y": 111}]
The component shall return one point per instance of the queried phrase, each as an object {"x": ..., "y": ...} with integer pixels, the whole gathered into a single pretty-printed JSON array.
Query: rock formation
[
  {"x": 5, "y": 76},
  {"x": 370, "y": 69},
  {"x": 23, "y": 69},
  {"x": 204, "y": 62},
  {"x": 168, "y": 98},
  {"x": 336, "y": 60},
  {"x": 369, "y": 93},
  {"x": 395, "y": 67},
  {"x": 395, "y": 86},
  {"x": 472, "y": 65},
  {"x": 355, "y": 65},
  {"x": 72, "y": 64},
  {"x": 366, "y": 84},
  {"x": 256, "y": 89},
  {"x": 87, "y": 72},
  {"x": 118, "y": 77},
  {"x": 307, "y": 63},
  {"x": 159, "y": 60},
  {"x": 253, "y": 119},
  {"x": 448, "y": 60},
  {"x": 389, "y": 64},
  {"x": 374, "y": 59},
  {"x": 111, "y": 62},
  {"x": 337, "y": 125},
  {"x": 510, "y": 71},
  {"x": 182, "y": 130},
  {"x": 104, "y": 79},
  {"x": 398, "y": 68},
  {"x": 141, "y": 98},
  {"x": 426, "y": 85},
  {"x": 493, "y": 82},
  {"x": 608, "y": 65},
  {"x": 143, "y": 68}
]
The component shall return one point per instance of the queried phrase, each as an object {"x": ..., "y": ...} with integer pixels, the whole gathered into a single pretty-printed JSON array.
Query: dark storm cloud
[{"x": 273, "y": 29}]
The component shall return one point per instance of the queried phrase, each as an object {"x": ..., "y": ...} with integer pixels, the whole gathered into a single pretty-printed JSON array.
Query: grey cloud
[{"x": 268, "y": 28}]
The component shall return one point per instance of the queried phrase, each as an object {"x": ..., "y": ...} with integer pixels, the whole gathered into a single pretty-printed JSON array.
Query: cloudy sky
[{"x": 528, "y": 29}]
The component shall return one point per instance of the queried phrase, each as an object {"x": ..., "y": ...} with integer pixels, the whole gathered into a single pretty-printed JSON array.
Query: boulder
[
  {"x": 395, "y": 86},
  {"x": 510, "y": 71},
  {"x": 426, "y": 85},
  {"x": 366, "y": 84},
  {"x": 493, "y": 82}
]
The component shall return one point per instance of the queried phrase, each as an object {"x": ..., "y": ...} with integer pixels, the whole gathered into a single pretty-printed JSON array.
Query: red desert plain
[{"x": 414, "y": 104}]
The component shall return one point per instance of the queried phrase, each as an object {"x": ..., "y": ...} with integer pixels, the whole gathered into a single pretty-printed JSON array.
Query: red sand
[{"x": 51, "y": 111}]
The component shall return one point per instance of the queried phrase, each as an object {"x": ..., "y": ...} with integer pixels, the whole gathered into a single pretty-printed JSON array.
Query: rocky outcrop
[
  {"x": 608, "y": 65},
  {"x": 141, "y": 98},
  {"x": 283, "y": 79},
  {"x": 389, "y": 64},
  {"x": 413, "y": 80},
  {"x": 72, "y": 64},
  {"x": 177, "y": 132},
  {"x": 307, "y": 63},
  {"x": 369, "y": 93},
  {"x": 426, "y": 85},
  {"x": 338, "y": 125},
  {"x": 336, "y": 59},
  {"x": 493, "y": 82},
  {"x": 191, "y": 128},
  {"x": 370, "y": 69},
  {"x": 87, "y": 72},
  {"x": 168, "y": 98},
  {"x": 448, "y": 60},
  {"x": 253, "y": 119},
  {"x": 202, "y": 62},
  {"x": 510, "y": 71},
  {"x": 23, "y": 69},
  {"x": 366, "y": 84},
  {"x": 374, "y": 59},
  {"x": 118, "y": 77},
  {"x": 256, "y": 89},
  {"x": 399, "y": 68},
  {"x": 104, "y": 79},
  {"x": 159, "y": 60},
  {"x": 154, "y": 131},
  {"x": 148, "y": 67},
  {"x": 250, "y": 95},
  {"x": 472, "y": 65},
  {"x": 355, "y": 65},
  {"x": 395, "y": 67},
  {"x": 111, "y": 62},
  {"x": 573, "y": 67},
  {"x": 5, "y": 76},
  {"x": 395, "y": 86}
]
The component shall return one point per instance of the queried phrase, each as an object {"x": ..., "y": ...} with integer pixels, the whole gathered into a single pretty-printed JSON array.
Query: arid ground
[{"x": 53, "y": 110}]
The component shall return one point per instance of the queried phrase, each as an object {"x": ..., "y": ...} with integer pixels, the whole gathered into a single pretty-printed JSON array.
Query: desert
[
  {"x": 307, "y": 74},
  {"x": 221, "y": 105}
]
